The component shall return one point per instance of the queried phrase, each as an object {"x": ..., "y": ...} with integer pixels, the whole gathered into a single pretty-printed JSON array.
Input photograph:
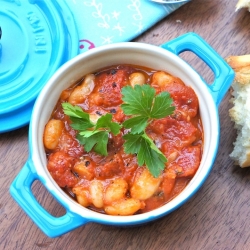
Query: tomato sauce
[{"x": 113, "y": 184}]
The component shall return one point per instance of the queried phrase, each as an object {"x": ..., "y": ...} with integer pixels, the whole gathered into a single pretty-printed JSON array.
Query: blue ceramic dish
[{"x": 164, "y": 58}]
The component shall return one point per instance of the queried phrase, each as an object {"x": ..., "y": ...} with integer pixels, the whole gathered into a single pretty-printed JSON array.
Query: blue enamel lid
[{"x": 37, "y": 38}]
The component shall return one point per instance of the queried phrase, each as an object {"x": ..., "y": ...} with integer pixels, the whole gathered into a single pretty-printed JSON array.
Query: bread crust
[{"x": 238, "y": 61}]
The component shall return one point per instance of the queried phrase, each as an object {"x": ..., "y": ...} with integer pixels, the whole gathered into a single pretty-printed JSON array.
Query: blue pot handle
[
  {"x": 223, "y": 73},
  {"x": 52, "y": 226}
]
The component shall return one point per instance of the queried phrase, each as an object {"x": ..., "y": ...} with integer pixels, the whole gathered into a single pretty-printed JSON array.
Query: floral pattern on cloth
[{"x": 101, "y": 22}]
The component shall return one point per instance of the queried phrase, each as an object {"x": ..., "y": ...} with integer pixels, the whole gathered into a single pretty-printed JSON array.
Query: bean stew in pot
[{"x": 125, "y": 139}]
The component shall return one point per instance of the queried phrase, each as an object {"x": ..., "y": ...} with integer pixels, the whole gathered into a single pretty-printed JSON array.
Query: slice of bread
[
  {"x": 239, "y": 113},
  {"x": 243, "y": 4}
]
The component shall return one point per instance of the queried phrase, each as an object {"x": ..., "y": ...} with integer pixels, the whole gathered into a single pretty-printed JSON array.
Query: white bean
[
  {"x": 80, "y": 92},
  {"x": 94, "y": 118},
  {"x": 126, "y": 206},
  {"x": 137, "y": 78},
  {"x": 145, "y": 185},
  {"x": 52, "y": 133},
  {"x": 116, "y": 190},
  {"x": 172, "y": 156},
  {"x": 162, "y": 79},
  {"x": 96, "y": 193},
  {"x": 82, "y": 196}
]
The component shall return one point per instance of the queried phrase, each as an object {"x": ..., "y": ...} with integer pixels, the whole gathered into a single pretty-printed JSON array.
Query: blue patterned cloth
[{"x": 101, "y": 22}]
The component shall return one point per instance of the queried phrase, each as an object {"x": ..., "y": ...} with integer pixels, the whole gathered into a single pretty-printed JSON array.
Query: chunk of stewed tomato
[
  {"x": 107, "y": 92},
  {"x": 59, "y": 166},
  {"x": 187, "y": 162}
]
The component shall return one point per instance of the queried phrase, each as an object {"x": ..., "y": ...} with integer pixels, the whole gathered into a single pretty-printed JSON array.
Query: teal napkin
[{"x": 101, "y": 22}]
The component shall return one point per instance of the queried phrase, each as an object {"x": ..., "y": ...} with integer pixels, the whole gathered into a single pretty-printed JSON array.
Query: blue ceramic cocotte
[{"x": 164, "y": 58}]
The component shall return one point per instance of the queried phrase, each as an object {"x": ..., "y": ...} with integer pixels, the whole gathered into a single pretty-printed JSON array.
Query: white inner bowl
[{"x": 123, "y": 53}]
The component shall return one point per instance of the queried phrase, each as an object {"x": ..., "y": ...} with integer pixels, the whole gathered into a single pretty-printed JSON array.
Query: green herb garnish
[
  {"x": 143, "y": 105},
  {"x": 80, "y": 119},
  {"x": 92, "y": 136},
  {"x": 147, "y": 153}
]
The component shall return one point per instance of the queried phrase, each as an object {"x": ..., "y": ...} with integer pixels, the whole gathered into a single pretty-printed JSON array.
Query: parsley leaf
[
  {"x": 144, "y": 105},
  {"x": 80, "y": 119},
  {"x": 92, "y": 136},
  {"x": 147, "y": 153},
  {"x": 132, "y": 144},
  {"x": 80, "y": 124},
  {"x": 97, "y": 140},
  {"x": 162, "y": 106},
  {"x": 105, "y": 121},
  {"x": 137, "y": 124},
  {"x": 137, "y": 100},
  {"x": 74, "y": 111}
]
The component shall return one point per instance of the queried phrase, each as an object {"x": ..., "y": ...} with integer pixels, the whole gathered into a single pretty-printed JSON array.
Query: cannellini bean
[
  {"x": 82, "y": 170},
  {"x": 116, "y": 190},
  {"x": 137, "y": 78},
  {"x": 82, "y": 196},
  {"x": 172, "y": 156},
  {"x": 96, "y": 193},
  {"x": 94, "y": 117},
  {"x": 126, "y": 206},
  {"x": 145, "y": 185},
  {"x": 52, "y": 133},
  {"x": 79, "y": 93},
  {"x": 162, "y": 79}
]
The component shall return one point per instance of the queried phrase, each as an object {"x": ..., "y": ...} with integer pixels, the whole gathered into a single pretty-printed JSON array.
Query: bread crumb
[{"x": 239, "y": 113}]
